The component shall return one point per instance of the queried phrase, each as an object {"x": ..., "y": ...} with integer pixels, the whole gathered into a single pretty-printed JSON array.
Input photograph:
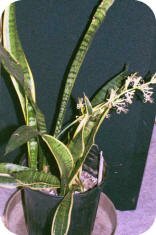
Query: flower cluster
[
  {"x": 81, "y": 103},
  {"x": 120, "y": 98}
]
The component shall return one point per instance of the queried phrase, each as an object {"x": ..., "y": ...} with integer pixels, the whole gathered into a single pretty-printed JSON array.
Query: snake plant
[{"x": 69, "y": 153}]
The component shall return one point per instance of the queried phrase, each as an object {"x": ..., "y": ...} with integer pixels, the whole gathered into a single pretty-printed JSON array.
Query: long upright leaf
[
  {"x": 87, "y": 134},
  {"x": 76, "y": 147},
  {"x": 12, "y": 43},
  {"x": 94, "y": 24},
  {"x": 62, "y": 217},
  {"x": 13, "y": 68}
]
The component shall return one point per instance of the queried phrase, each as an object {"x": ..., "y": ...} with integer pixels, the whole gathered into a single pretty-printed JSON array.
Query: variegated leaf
[
  {"x": 94, "y": 24},
  {"x": 36, "y": 179},
  {"x": 62, "y": 156},
  {"x": 114, "y": 83},
  {"x": 26, "y": 177},
  {"x": 13, "y": 68},
  {"x": 62, "y": 217},
  {"x": 21, "y": 136},
  {"x": 12, "y": 43},
  {"x": 8, "y": 168},
  {"x": 87, "y": 135}
]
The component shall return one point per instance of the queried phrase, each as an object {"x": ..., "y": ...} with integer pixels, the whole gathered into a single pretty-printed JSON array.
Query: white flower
[
  {"x": 147, "y": 91},
  {"x": 108, "y": 116},
  {"x": 148, "y": 94},
  {"x": 119, "y": 99},
  {"x": 80, "y": 104},
  {"x": 120, "y": 106},
  {"x": 134, "y": 80},
  {"x": 113, "y": 95},
  {"x": 130, "y": 80},
  {"x": 120, "y": 109},
  {"x": 129, "y": 97},
  {"x": 4, "y": 4}
]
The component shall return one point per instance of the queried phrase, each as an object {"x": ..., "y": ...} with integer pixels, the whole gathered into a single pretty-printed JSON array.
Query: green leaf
[
  {"x": 76, "y": 146},
  {"x": 8, "y": 168},
  {"x": 115, "y": 82},
  {"x": 94, "y": 24},
  {"x": 40, "y": 118},
  {"x": 88, "y": 106},
  {"x": 26, "y": 177},
  {"x": 11, "y": 66},
  {"x": 87, "y": 135},
  {"x": 83, "y": 139},
  {"x": 12, "y": 43},
  {"x": 62, "y": 217},
  {"x": 36, "y": 179},
  {"x": 62, "y": 156},
  {"x": 14, "y": 69},
  {"x": 21, "y": 136}
]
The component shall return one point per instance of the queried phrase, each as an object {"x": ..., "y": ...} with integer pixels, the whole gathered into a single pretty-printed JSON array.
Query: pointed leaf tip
[{"x": 21, "y": 136}]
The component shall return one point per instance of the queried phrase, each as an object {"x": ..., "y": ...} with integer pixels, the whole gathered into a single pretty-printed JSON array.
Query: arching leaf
[
  {"x": 21, "y": 136},
  {"x": 12, "y": 43},
  {"x": 62, "y": 156},
  {"x": 26, "y": 177},
  {"x": 114, "y": 83},
  {"x": 36, "y": 179},
  {"x": 13, "y": 68},
  {"x": 9, "y": 168}
]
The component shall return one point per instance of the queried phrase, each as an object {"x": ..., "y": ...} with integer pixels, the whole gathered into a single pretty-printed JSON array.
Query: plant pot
[
  {"x": 105, "y": 222},
  {"x": 40, "y": 208}
]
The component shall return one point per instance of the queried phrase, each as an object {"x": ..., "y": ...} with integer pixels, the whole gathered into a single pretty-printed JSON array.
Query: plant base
[{"x": 105, "y": 222}]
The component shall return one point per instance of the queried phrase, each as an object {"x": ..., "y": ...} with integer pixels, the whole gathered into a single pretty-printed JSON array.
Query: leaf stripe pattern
[
  {"x": 114, "y": 83},
  {"x": 12, "y": 67},
  {"x": 21, "y": 136},
  {"x": 7, "y": 168},
  {"x": 62, "y": 217},
  {"x": 12, "y": 44},
  {"x": 35, "y": 179},
  {"x": 95, "y": 23},
  {"x": 27, "y": 177},
  {"x": 62, "y": 156}
]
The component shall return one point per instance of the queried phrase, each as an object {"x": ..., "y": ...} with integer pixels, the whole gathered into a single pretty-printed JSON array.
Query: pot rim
[{"x": 81, "y": 194}]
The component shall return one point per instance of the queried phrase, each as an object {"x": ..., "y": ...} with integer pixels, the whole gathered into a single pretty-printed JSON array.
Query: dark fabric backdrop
[{"x": 49, "y": 31}]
